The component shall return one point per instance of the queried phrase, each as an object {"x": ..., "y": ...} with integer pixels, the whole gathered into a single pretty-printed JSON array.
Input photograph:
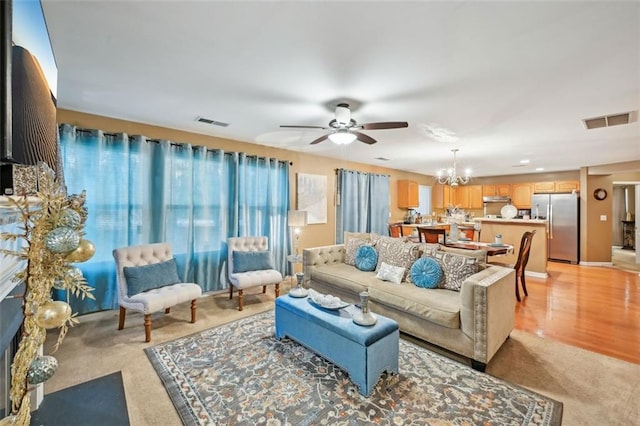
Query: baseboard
[
  {"x": 542, "y": 275},
  {"x": 610, "y": 264}
]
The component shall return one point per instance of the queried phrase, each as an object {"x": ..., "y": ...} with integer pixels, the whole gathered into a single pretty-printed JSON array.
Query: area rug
[{"x": 239, "y": 373}]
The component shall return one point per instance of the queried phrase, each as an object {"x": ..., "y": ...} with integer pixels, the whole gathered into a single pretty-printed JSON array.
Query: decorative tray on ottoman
[{"x": 326, "y": 301}]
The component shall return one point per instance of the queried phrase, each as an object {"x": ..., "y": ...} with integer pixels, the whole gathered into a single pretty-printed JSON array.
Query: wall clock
[{"x": 600, "y": 194}]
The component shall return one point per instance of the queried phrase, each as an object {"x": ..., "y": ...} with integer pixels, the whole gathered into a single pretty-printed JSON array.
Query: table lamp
[{"x": 297, "y": 219}]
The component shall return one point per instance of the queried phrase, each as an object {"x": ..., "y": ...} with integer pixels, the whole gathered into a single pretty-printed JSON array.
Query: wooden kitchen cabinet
[
  {"x": 441, "y": 196},
  {"x": 521, "y": 195},
  {"x": 408, "y": 197},
  {"x": 558, "y": 186},
  {"x": 468, "y": 196},
  {"x": 567, "y": 186},
  {"x": 544, "y": 187},
  {"x": 497, "y": 190}
]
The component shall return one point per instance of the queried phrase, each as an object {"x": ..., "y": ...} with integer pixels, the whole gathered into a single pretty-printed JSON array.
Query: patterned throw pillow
[
  {"x": 456, "y": 268},
  {"x": 426, "y": 272},
  {"x": 390, "y": 273},
  {"x": 366, "y": 258},
  {"x": 351, "y": 248},
  {"x": 396, "y": 252}
]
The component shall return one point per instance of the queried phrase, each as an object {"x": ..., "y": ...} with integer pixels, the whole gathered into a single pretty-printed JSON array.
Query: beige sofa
[{"x": 473, "y": 322}]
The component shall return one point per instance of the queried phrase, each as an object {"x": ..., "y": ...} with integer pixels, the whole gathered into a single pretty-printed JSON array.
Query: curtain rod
[{"x": 181, "y": 145}]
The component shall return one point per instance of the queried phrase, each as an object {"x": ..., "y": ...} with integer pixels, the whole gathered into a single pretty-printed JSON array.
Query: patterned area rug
[{"x": 239, "y": 373}]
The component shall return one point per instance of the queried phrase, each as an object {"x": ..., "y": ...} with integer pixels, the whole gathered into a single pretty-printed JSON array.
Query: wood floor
[{"x": 595, "y": 308}]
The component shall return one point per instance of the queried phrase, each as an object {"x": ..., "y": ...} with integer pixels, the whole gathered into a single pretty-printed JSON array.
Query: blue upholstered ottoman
[{"x": 363, "y": 352}]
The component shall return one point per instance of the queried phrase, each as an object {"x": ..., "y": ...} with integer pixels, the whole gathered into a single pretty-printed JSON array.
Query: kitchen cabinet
[
  {"x": 558, "y": 186},
  {"x": 567, "y": 186},
  {"x": 408, "y": 194},
  {"x": 521, "y": 195},
  {"x": 442, "y": 196},
  {"x": 497, "y": 190},
  {"x": 544, "y": 187},
  {"x": 468, "y": 197}
]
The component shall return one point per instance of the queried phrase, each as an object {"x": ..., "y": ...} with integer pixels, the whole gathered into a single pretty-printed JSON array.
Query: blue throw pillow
[
  {"x": 426, "y": 272},
  {"x": 244, "y": 261},
  {"x": 366, "y": 258},
  {"x": 147, "y": 277}
]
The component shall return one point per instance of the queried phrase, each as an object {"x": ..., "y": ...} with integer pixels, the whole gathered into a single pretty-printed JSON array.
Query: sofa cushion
[
  {"x": 456, "y": 268},
  {"x": 426, "y": 272},
  {"x": 351, "y": 248},
  {"x": 366, "y": 258},
  {"x": 360, "y": 235},
  {"x": 437, "y": 305},
  {"x": 480, "y": 255},
  {"x": 396, "y": 252},
  {"x": 390, "y": 273},
  {"x": 344, "y": 277}
]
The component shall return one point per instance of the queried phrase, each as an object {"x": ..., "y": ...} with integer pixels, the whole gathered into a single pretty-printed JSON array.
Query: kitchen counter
[
  {"x": 515, "y": 221},
  {"x": 511, "y": 231}
]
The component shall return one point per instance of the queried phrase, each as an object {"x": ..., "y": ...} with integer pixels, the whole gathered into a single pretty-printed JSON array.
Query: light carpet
[{"x": 239, "y": 373}]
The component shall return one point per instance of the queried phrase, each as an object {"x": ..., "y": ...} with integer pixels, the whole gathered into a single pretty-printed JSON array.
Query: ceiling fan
[{"x": 345, "y": 129}]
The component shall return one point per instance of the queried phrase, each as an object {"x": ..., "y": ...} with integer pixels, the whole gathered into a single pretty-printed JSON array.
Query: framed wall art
[{"x": 312, "y": 197}]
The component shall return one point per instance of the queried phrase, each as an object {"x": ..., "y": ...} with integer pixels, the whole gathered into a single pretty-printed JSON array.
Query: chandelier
[{"x": 450, "y": 175}]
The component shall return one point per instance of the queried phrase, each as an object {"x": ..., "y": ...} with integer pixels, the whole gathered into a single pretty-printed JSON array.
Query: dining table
[{"x": 490, "y": 248}]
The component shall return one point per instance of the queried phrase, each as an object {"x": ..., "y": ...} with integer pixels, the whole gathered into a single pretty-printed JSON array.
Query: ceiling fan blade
[
  {"x": 365, "y": 138},
  {"x": 320, "y": 139},
  {"x": 385, "y": 125},
  {"x": 304, "y": 127}
]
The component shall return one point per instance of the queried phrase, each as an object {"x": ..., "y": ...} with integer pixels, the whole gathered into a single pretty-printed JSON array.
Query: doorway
[{"x": 626, "y": 206}]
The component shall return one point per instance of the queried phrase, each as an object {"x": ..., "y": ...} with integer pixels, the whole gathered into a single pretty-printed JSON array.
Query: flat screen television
[{"x": 29, "y": 82}]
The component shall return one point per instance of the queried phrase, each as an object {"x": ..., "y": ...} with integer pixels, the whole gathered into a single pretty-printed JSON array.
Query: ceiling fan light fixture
[{"x": 342, "y": 137}]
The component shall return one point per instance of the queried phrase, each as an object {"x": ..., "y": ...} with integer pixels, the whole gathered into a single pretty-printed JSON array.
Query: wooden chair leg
[
  {"x": 167, "y": 311},
  {"x": 240, "y": 299},
  {"x": 123, "y": 314},
  {"x": 264, "y": 289},
  {"x": 230, "y": 291},
  {"x": 277, "y": 290},
  {"x": 193, "y": 311},
  {"x": 517, "y": 291},
  {"x": 147, "y": 327},
  {"x": 524, "y": 284}
]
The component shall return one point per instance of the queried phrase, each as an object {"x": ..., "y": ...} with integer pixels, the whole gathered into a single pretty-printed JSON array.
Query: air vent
[
  {"x": 607, "y": 120},
  {"x": 212, "y": 122}
]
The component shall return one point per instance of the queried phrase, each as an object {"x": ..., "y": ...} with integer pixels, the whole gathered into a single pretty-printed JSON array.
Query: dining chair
[
  {"x": 469, "y": 232},
  {"x": 395, "y": 230},
  {"x": 523, "y": 259},
  {"x": 432, "y": 235}
]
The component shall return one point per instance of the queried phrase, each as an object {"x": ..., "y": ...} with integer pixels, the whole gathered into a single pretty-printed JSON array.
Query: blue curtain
[
  {"x": 143, "y": 191},
  {"x": 363, "y": 203}
]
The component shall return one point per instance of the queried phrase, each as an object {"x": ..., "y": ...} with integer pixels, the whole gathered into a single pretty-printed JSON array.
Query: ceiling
[{"x": 500, "y": 81}]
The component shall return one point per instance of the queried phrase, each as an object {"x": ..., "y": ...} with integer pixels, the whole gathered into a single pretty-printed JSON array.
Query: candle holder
[
  {"x": 364, "y": 317},
  {"x": 299, "y": 291}
]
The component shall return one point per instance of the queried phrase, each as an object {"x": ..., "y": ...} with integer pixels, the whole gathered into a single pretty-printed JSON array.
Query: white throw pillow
[{"x": 390, "y": 273}]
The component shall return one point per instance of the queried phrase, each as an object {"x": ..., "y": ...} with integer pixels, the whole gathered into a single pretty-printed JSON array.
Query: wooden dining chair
[
  {"x": 395, "y": 230},
  {"x": 469, "y": 232},
  {"x": 521, "y": 263},
  {"x": 432, "y": 235}
]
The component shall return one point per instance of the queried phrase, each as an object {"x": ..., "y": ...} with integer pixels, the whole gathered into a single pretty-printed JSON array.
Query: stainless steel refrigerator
[{"x": 563, "y": 213}]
